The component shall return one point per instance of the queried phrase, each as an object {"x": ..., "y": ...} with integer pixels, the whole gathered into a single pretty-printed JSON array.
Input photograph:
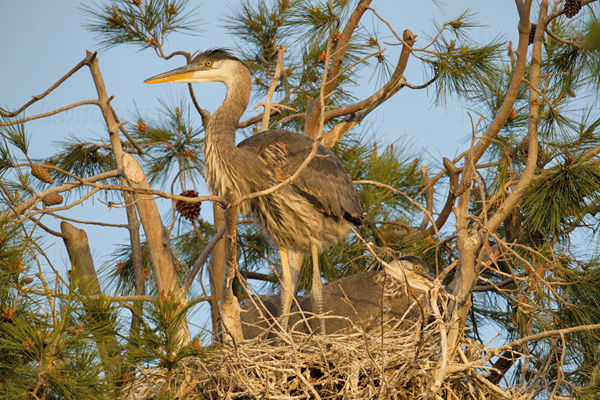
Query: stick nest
[{"x": 399, "y": 363}]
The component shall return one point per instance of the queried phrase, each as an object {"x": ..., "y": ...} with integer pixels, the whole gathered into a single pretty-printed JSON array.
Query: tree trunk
[
  {"x": 216, "y": 271},
  {"x": 133, "y": 222},
  {"x": 228, "y": 304},
  {"x": 158, "y": 242}
]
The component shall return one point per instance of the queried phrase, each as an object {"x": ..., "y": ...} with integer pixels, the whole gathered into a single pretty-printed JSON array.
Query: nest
[
  {"x": 401, "y": 356},
  {"x": 392, "y": 364},
  {"x": 388, "y": 363}
]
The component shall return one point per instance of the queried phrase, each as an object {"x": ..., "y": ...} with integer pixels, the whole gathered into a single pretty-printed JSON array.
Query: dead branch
[
  {"x": 530, "y": 338},
  {"x": 513, "y": 89},
  {"x": 534, "y": 106},
  {"x": 216, "y": 268},
  {"x": 157, "y": 238},
  {"x": 447, "y": 209},
  {"x": 80, "y": 221},
  {"x": 113, "y": 127},
  {"x": 260, "y": 277},
  {"x": 125, "y": 133},
  {"x": 358, "y": 111},
  {"x": 50, "y": 113},
  {"x": 10, "y": 114},
  {"x": 204, "y": 114},
  {"x": 494, "y": 286},
  {"x": 228, "y": 304},
  {"x": 33, "y": 211},
  {"x": 404, "y": 195},
  {"x": 313, "y": 116},
  {"x": 202, "y": 259},
  {"x": 470, "y": 242},
  {"x": 63, "y": 188},
  {"x": 103, "y": 297},
  {"x": 267, "y": 104},
  {"x": 429, "y": 192}
]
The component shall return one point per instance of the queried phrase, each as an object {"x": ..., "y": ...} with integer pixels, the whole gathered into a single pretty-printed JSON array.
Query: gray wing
[{"x": 324, "y": 182}]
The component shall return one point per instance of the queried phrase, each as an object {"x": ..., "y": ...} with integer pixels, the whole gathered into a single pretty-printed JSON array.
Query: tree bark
[
  {"x": 216, "y": 271},
  {"x": 158, "y": 241},
  {"x": 133, "y": 223},
  {"x": 136, "y": 259},
  {"x": 228, "y": 304}
]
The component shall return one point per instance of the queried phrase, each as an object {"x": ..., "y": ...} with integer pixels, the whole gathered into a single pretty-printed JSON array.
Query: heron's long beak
[
  {"x": 428, "y": 276},
  {"x": 182, "y": 74},
  {"x": 418, "y": 281},
  {"x": 425, "y": 274}
]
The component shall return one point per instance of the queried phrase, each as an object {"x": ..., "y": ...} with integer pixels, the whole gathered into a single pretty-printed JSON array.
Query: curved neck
[{"x": 223, "y": 123}]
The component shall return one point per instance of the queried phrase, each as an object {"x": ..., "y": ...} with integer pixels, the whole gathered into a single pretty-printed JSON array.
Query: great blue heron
[
  {"x": 313, "y": 212},
  {"x": 398, "y": 294}
]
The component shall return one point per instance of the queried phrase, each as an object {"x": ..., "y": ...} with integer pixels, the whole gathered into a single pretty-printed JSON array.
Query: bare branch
[
  {"x": 54, "y": 293},
  {"x": 61, "y": 208},
  {"x": 50, "y": 113},
  {"x": 204, "y": 114},
  {"x": 407, "y": 197},
  {"x": 79, "y": 221},
  {"x": 494, "y": 286},
  {"x": 532, "y": 134},
  {"x": 267, "y": 104},
  {"x": 258, "y": 276},
  {"x": 515, "y": 83},
  {"x": 202, "y": 259},
  {"x": 447, "y": 209},
  {"x": 520, "y": 342},
  {"x": 312, "y": 115},
  {"x": 85, "y": 61},
  {"x": 361, "y": 109},
  {"x": 564, "y": 41},
  {"x": 423, "y": 86},
  {"x": 228, "y": 304},
  {"x": 67, "y": 186},
  {"x": 125, "y": 133}
]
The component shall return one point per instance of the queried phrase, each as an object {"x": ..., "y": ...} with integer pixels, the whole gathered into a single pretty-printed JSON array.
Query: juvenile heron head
[{"x": 412, "y": 270}]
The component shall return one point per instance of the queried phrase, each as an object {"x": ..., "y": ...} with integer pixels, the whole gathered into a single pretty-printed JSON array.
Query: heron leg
[
  {"x": 317, "y": 287},
  {"x": 290, "y": 266}
]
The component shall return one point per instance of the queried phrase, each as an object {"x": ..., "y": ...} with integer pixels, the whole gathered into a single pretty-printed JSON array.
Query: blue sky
[{"x": 43, "y": 40}]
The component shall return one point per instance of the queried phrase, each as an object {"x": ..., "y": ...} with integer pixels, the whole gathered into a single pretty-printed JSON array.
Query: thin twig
[
  {"x": 125, "y": 133},
  {"x": 202, "y": 259},
  {"x": 50, "y": 113}
]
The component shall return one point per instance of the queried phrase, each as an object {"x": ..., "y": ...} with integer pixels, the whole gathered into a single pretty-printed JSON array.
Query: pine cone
[
  {"x": 532, "y": 33},
  {"x": 40, "y": 172},
  {"x": 187, "y": 210},
  {"x": 463, "y": 186},
  {"x": 572, "y": 7},
  {"x": 52, "y": 199}
]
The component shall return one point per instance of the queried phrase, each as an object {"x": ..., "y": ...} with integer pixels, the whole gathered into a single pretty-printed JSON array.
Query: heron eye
[
  {"x": 208, "y": 63},
  {"x": 416, "y": 267}
]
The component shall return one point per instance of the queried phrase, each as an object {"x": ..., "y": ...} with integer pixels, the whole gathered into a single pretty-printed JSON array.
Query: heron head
[
  {"x": 413, "y": 270},
  {"x": 216, "y": 65}
]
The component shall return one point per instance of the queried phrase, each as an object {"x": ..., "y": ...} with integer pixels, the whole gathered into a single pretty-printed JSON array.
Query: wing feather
[{"x": 324, "y": 182}]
